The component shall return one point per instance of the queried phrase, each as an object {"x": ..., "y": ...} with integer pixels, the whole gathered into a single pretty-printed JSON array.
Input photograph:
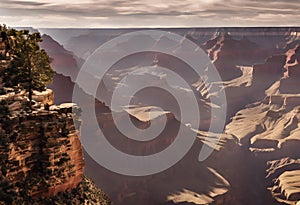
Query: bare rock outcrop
[
  {"x": 41, "y": 149},
  {"x": 284, "y": 179}
]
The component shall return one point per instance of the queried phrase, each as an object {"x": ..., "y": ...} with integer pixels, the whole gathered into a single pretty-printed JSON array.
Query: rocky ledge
[{"x": 41, "y": 155}]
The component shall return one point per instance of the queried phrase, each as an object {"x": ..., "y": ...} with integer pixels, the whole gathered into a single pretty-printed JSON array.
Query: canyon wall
[
  {"x": 40, "y": 150},
  {"x": 259, "y": 68}
]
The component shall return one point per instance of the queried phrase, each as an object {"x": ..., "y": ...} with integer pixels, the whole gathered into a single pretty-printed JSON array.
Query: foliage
[
  {"x": 4, "y": 111},
  {"x": 85, "y": 193},
  {"x": 30, "y": 66}
]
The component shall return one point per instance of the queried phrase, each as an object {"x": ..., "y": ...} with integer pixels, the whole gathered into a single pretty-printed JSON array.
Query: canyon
[{"x": 256, "y": 159}]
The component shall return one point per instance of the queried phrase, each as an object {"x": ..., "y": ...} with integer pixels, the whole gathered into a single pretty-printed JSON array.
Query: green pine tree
[{"x": 30, "y": 67}]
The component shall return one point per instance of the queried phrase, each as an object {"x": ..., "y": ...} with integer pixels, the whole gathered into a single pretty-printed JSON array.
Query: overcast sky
[{"x": 149, "y": 13}]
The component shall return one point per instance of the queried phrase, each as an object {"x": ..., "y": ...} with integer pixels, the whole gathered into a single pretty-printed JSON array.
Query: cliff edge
[{"x": 41, "y": 157}]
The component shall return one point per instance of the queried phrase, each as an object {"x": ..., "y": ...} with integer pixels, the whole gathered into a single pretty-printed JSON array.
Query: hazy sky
[{"x": 149, "y": 13}]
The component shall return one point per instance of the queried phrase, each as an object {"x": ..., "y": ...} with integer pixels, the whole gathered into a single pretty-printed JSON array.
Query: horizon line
[{"x": 156, "y": 27}]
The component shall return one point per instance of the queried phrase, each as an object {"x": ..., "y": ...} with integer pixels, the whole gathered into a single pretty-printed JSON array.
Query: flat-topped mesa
[{"x": 41, "y": 147}]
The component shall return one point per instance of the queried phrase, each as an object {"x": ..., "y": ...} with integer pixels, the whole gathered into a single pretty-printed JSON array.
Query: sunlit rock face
[
  {"x": 283, "y": 177},
  {"x": 273, "y": 123},
  {"x": 269, "y": 128}
]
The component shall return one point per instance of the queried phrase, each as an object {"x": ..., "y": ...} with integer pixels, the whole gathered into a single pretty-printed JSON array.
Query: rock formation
[
  {"x": 260, "y": 69},
  {"x": 41, "y": 153},
  {"x": 270, "y": 128},
  {"x": 283, "y": 176},
  {"x": 41, "y": 157},
  {"x": 41, "y": 143},
  {"x": 272, "y": 122},
  {"x": 227, "y": 53}
]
